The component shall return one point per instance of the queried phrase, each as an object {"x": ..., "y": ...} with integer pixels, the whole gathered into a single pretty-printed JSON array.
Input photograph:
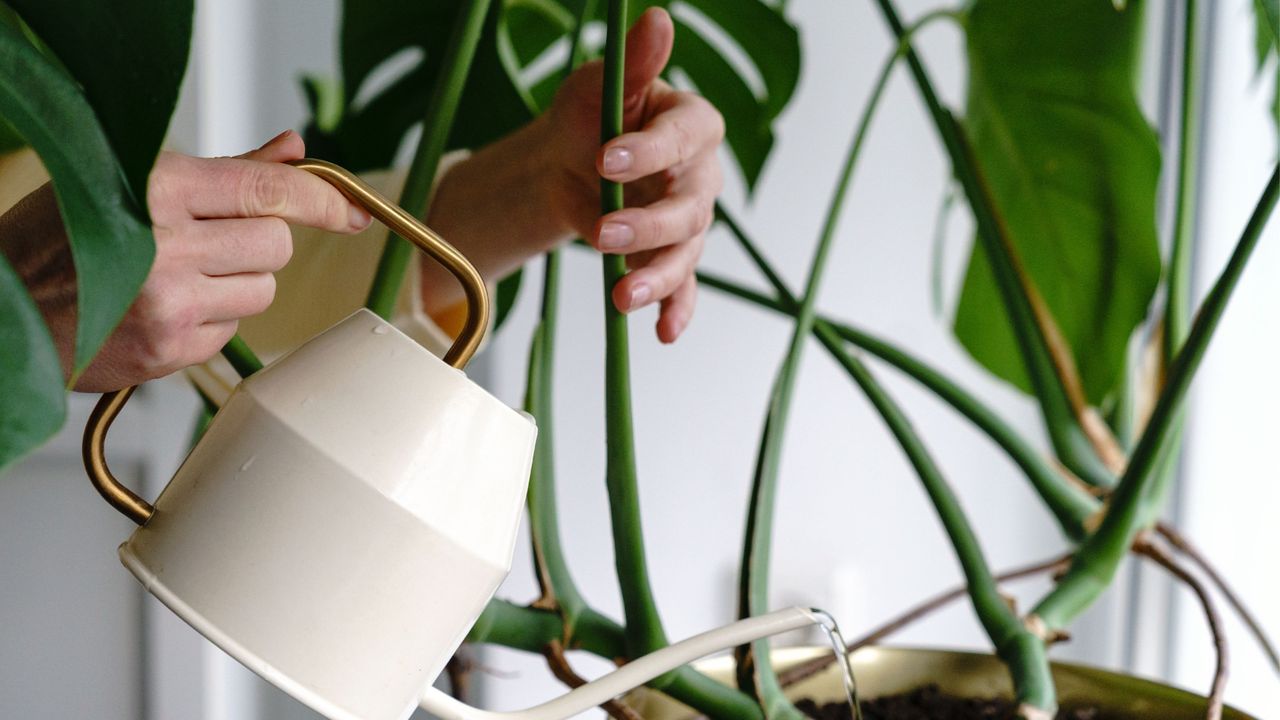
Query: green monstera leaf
[
  {"x": 1072, "y": 166},
  {"x": 502, "y": 92},
  {"x": 378, "y": 35},
  {"x": 89, "y": 144}
]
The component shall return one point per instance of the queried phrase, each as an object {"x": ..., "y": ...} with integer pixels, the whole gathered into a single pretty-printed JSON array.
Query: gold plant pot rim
[{"x": 889, "y": 670}]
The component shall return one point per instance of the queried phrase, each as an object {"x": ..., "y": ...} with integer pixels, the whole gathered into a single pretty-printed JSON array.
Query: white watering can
[{"x": 350, "y": 511}]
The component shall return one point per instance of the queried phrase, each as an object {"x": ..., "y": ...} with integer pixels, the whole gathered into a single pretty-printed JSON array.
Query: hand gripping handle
[{"x": 391, "y": 215}]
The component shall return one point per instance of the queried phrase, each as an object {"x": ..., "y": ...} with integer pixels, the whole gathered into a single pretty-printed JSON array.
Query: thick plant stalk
[
  {"x": 237, "y": 352},
  {"x": 1022, "y": 652},
  {"x": 531, "y": 629},
  {"x": 1177, "y": 311},
  {"x": 1070, "y": 504},
  {"x": 559, "y": 591},
  {"x": 644, "y": 631},
  {"x": 755, "y": 672},
  {"x": 1048, "y": 361},
  {"x": 442, "y": 106},
  {"x": 1095, "y": 565}
]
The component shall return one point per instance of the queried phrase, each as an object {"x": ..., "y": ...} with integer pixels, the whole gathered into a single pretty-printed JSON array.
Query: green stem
[
  {"x": 237, "y": 352},
  {"x": 755, "y": 667},
  {"x": 644, "y": 627},
  {"x": 1049, "y": 380},
  {"x": 552, "y": 568},
  {"x": 441, "y": 108},
  {"x": 1095, "y": 565},
  {"x": 1022, "y": 652},
  {"x": 1177, "y": 311},
  {"x": 1070, "y": 505},
  {"x": 531, "y": 629},
  {"x": 548, "y": 553}
]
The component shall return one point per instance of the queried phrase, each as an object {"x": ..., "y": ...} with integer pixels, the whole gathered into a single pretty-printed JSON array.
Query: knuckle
[
  {"x": 165, "y": 341},
  {"x": 267, "y": 193},
  {"x": 164, "y": 181},
  {"x": 659, "y": 228}
]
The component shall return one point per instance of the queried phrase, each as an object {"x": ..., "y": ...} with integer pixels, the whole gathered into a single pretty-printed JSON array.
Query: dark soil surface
[{"x": 930, "y": 703}]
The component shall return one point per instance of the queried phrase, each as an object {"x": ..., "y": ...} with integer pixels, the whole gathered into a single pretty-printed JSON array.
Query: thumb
[
  {"x": 648, "y": 49},
  {"x": 286, "y": 146}
]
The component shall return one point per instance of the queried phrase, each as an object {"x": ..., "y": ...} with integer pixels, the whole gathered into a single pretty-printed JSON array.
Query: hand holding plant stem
[{"x": 543, "y": 181}]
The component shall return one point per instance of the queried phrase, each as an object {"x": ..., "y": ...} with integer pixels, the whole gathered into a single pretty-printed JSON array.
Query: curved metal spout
[{"x": 633, "y": 674}]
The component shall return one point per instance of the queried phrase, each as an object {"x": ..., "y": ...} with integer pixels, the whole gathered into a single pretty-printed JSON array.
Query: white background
[{"x": 855, "y": 533}]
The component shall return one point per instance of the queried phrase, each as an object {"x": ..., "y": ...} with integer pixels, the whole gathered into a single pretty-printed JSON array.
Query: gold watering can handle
[{"x": 391, "y": 215}]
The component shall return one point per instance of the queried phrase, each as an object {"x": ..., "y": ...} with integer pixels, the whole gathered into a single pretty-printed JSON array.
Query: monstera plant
[{"x": 1051, "y": 154}]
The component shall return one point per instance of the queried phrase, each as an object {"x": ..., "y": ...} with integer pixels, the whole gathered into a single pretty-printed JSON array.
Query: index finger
[{"x": 238, "y": 188}]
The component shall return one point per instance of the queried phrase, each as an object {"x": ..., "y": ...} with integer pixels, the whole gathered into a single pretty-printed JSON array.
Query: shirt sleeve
[{"x": 327, "y": 279}]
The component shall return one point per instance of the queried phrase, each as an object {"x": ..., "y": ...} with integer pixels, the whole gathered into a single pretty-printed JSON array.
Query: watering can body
[{"x": 344, "y": 519}]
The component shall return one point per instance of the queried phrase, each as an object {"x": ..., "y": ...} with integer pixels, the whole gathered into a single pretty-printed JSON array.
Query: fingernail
[
  {"x": 359, "y": 218},
  {"x": 278, "y": 138},
  {"x": 615, "y": 235},
  {"x": 617, "y": 160},
  {"x": 639, "y": 296}
]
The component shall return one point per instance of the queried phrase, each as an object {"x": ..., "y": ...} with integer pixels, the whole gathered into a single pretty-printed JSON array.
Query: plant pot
[{"x": 888, "y": 671}]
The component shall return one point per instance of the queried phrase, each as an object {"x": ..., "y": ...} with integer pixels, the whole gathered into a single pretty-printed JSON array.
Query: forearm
[
  {"x": 32, "y": 239},
  {"x": 495, "y": 208}
]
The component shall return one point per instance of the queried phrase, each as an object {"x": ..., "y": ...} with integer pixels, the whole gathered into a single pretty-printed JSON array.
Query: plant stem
[
  {"x": 243, "y": 359},
  {"x": 530, "y": 629},
  {"x": 1046, "y": 357},
  {"x": 755, "y": 668},
  {"x": 644, "y": 631},
  {"x": 1071, "y": 505},
  {"x": 441, "y": 108},
  {"x": 1177, "y": 311},
  {"x": 1022, "y": 652},
  {"x": 559, "y": 591},
  {"x": 1095, "y": 565}
]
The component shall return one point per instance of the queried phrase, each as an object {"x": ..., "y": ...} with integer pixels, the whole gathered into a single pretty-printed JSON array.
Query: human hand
[
  {"x": 221, "y": 230},
  {"x": 667, "y": 157}
]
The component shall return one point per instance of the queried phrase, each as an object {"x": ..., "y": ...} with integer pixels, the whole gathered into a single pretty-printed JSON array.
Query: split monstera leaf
[{"x": 90, "y": 86}]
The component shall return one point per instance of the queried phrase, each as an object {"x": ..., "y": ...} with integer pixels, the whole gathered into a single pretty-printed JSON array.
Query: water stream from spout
[{"x": 838, "y": 646}]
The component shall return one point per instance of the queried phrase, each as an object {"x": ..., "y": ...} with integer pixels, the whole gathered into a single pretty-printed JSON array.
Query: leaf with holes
[
  {"x": 1072, "y": 166},
  {"x": 377, "y": 111},
  {"x": 508, "y": 84}
]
